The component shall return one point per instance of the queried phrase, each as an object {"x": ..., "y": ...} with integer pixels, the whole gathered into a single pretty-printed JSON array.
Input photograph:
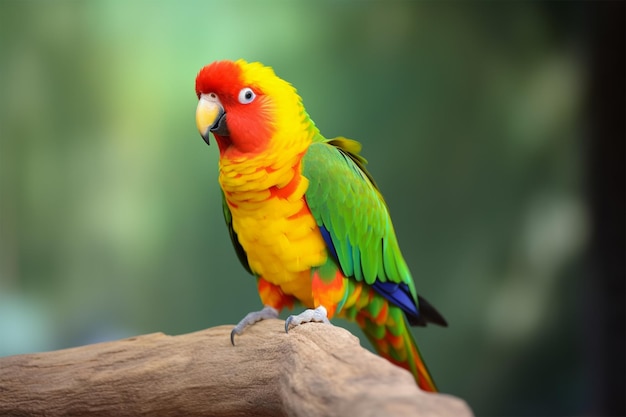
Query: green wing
[
  {"x": 241, "y": 253},
  {"x": 352, "y": 215}
]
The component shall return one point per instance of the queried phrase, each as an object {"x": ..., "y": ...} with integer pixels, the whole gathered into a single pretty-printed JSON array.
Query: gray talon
[
  {"x": 251, "y": 318},
  {"x": 287, "y": 323},
  {"x": 319, "y": 315}
]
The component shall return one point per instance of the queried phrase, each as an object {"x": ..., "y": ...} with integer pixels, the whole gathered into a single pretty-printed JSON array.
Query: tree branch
[{"x": 315, "y": 370}]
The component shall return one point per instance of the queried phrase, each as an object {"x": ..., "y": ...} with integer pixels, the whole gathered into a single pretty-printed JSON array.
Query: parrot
[{"x": 305, "y": 216}]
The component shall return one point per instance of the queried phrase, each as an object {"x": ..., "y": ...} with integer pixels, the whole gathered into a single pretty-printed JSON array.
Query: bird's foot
[
  {"x": 319, "y": 315},
  {"x": 251, "y": 318}
]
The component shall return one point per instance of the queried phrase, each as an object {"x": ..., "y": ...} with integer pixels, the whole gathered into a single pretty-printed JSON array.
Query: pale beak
[{"x": 210, "y": 117}]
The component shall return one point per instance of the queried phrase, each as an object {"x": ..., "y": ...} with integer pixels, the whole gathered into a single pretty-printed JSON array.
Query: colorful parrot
[{"x": 305, "y": 216}]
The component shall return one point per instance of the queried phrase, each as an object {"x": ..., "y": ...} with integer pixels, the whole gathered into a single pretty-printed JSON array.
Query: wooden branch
[{"x": 315, "y": 370}]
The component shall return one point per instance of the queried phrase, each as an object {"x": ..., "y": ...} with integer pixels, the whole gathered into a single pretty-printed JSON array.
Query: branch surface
[{"x": 315, "y": 370}]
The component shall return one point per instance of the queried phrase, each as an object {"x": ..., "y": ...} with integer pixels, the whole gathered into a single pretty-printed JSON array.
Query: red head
[{"x": 241, "y": 103}]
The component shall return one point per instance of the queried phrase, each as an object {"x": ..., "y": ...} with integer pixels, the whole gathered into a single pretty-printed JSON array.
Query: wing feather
[
  {"x": 241, "y": 253},
  {"x": 345, "y": 201}
]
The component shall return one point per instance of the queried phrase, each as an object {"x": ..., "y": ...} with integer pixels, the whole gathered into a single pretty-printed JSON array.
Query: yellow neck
[{"x": 250, "y": 178}]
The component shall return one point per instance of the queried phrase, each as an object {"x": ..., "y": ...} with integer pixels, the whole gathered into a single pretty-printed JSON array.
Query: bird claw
[
  {"x": 319, "y": 315},
  {"x": 250, "y": 319}
]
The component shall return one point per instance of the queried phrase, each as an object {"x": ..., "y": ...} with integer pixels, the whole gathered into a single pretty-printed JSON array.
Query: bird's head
[{"x": 244, "y": 105}]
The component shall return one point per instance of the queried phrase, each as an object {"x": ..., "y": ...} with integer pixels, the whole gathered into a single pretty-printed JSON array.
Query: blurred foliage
[{"x": 470, "y": 116}]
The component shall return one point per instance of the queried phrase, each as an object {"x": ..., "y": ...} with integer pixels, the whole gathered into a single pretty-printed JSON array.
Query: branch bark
[{"x": 315, "y": 370}]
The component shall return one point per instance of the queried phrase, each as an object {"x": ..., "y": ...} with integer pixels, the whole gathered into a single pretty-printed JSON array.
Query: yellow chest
[{"x": 273, "y": 223}]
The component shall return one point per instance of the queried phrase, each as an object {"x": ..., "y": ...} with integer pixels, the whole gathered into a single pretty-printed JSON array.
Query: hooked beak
[{"x": 210, "y": 117}]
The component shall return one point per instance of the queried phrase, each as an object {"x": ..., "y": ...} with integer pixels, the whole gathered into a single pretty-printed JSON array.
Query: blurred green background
[{"x": 472, "y": 118}]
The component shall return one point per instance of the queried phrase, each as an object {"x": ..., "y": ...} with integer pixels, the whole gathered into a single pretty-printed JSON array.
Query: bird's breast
[{"x": 274, "y": 224}]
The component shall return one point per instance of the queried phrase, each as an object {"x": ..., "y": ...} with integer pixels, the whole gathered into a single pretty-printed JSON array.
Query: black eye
[{"x": 246, "y": 96}]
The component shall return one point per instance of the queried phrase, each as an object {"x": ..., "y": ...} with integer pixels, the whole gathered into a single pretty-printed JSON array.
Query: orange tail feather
[{"x": 393, "y": 341}]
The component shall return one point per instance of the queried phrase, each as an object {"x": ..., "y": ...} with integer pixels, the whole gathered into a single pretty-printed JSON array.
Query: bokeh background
[{"x": 478, "y": 121}]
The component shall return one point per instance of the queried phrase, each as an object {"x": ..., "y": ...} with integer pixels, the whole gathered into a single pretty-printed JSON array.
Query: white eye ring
[{"x": 246, "y": 96}]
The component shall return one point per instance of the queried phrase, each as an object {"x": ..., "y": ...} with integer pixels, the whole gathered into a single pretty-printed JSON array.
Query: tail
[{"x": 389, "y": 334}]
